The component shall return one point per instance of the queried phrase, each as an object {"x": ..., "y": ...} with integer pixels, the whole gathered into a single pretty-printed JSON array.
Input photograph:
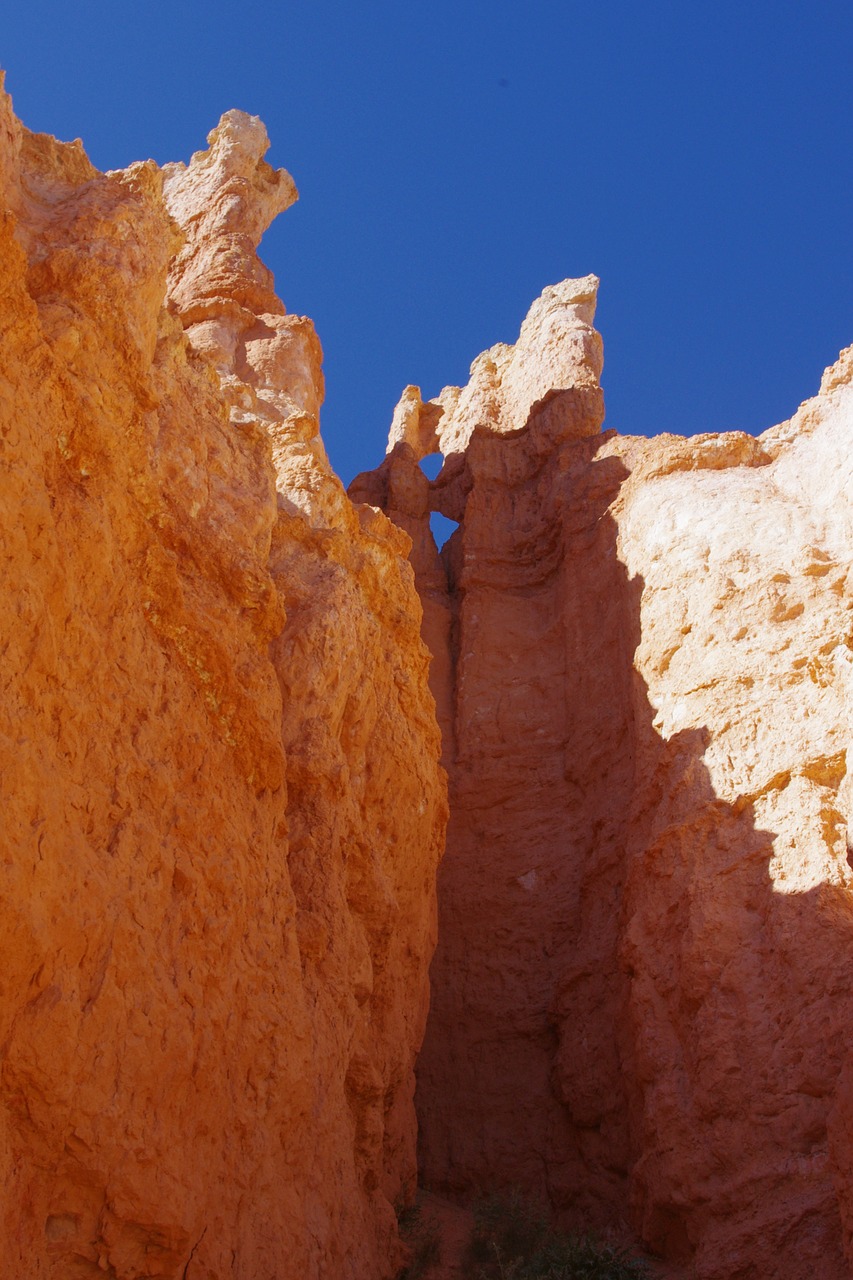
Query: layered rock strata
[
  {"x": 643, "y": 660},
  {"x": 222, "y": 804}
]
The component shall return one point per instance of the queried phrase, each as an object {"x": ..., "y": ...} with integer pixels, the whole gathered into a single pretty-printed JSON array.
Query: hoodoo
[
  {"x": 230, "y": 695},
  {"x": 643, "y": 663}
]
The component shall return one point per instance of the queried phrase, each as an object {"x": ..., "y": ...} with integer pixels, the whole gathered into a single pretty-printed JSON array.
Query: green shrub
[
  {"x": 421, "y": 1235},
  {"x": 506, "y": 1229},
  {"x": 512, "y": 1240}
]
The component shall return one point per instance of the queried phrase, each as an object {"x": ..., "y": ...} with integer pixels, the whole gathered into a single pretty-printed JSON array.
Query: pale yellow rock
[{"x": 557, "y": 351}]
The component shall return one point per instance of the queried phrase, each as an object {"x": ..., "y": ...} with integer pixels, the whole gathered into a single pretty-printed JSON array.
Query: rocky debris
[
  {"x": 644, "y": 671},
  {"x": 222, "y": 804}
]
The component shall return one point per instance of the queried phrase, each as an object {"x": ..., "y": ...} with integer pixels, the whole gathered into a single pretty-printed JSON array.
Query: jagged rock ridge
[
  {"x": 643, "y": 663},
  {"x": 223, "y": 807}
]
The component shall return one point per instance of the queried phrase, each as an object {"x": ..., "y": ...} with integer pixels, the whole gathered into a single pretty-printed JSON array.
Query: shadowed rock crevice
[{"x": 544, "y": 644}]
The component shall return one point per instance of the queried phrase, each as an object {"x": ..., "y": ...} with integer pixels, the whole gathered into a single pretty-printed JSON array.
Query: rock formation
[
  {"x": 643, "y": 663},
  {"x": 224, "y": 809},
  {"x": 222, "y": 804}
]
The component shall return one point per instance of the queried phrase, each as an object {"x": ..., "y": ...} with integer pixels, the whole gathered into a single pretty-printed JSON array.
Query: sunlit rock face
[
  {"x": 222, "y": 803},
  {"x": 643, "y": 662}
]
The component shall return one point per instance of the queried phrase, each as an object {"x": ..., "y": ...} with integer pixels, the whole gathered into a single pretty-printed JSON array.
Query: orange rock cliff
[
  {"x": 222, "y": 802},
  {"x": 224, "y": 808}
]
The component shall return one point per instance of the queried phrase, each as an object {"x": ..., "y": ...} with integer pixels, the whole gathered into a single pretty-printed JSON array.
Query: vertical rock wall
[
  {"x": 222, "y": 805},
  {"x": 642, "y": 985}
]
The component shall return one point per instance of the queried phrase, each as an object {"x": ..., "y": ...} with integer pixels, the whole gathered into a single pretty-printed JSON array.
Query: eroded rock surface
[
  {"x": 222, "y": 805},
  {"x": 223, "y": 808},
  {"x": 644, "y": 670}
]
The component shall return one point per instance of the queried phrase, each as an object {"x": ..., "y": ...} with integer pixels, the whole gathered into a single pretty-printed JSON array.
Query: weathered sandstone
[
  {"x": 222, "y": 804},
  {"x": 223, "y": 807},
  {"x": 644, "y": 671}
]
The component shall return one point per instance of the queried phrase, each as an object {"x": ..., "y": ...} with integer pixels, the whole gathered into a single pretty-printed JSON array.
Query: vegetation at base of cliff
[
  {"x": 512, "y": 1240},
  {"x": 421, "y": 1235}
]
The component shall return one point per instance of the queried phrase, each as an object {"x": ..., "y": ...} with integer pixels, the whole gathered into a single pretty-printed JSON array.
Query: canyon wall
[
  {"x": 224, "y": 808},
  {"x": 222, "y": 803},
  {"x": 644, "y": 672}
]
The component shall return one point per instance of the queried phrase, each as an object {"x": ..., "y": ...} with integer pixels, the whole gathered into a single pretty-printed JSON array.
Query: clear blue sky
[{"x": 455, "y": 157}]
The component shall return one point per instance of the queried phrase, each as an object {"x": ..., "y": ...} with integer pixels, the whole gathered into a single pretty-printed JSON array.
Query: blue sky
[{"x": 455, "y": 158}]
